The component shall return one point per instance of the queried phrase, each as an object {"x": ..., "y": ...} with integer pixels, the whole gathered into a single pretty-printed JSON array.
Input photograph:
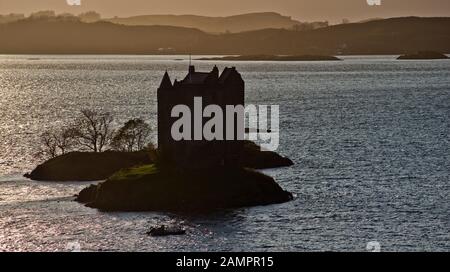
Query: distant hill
[
  {"x": 388, "y": 36},
  {"x": 237, "y": 23},
  {"x": 369, "y": 20}
]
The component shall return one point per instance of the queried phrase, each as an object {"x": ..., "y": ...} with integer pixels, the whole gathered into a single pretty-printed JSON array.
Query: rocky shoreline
[
  {"x": 423, "y": 55},
  {"x": 150, "y": 188},
  {"x": 275, "y": 58}
]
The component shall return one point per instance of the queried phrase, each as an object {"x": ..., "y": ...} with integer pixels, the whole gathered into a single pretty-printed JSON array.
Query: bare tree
[
  {"x": 56, "y": 143},
  {"x": 65, "y": 140},
  {"x": 93, "y": 130},
  {"x": 133, "y": 136},
  {"x": 47, "y": 147}
]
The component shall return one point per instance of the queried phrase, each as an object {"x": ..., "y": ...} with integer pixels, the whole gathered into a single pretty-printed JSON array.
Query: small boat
[{"x": 164, "y": 231}]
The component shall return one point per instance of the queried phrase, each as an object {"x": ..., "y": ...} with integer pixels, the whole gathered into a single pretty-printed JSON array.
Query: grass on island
[{"x": 135, "y": 173}]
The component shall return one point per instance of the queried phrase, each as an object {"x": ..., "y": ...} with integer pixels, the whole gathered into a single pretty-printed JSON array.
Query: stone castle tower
[{"x": 224, "y": 89}]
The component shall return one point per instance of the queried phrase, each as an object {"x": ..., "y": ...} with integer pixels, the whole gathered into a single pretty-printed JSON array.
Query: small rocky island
[
  {"x": 155, "y": 188},
  {"x": 183, "y": 175},
  {"x": 423, "y": 55},
  {"x": 274, "y": 58}
]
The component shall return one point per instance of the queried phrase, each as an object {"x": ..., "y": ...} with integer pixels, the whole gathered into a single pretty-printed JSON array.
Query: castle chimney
[
  {"x": 215, "y": 71},
  {"x": 191, "y": 69}
]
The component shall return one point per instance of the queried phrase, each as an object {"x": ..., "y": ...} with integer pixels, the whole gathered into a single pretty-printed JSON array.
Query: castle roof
[
  {"x": 226, "y": 74},
  {"x": 199, "y": 78},
  {"x": 195, "y": 78}
]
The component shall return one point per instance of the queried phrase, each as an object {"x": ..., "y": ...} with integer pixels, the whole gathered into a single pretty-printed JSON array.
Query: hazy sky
[{"x": 303, "y": 10}]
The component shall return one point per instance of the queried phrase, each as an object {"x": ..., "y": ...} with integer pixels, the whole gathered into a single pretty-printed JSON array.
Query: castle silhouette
[{"x": 214, "y": 89}]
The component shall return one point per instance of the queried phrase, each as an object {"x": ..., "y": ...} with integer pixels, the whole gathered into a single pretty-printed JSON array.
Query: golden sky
[{"x": 303, "y": 10}]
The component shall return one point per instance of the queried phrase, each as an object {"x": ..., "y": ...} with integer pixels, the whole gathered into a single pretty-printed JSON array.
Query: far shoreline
[
  {"x": 274, "y": 58},
  {"x": 179, "y": 57}
]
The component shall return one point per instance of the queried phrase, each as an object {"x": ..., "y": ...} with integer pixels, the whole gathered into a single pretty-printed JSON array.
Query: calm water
[{"x": 369, "y": 137}]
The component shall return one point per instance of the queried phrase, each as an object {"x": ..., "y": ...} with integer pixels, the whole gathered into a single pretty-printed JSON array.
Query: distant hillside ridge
[
  {"x": 387, "y": 36},
  {"x": 231, "y": 24}
]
